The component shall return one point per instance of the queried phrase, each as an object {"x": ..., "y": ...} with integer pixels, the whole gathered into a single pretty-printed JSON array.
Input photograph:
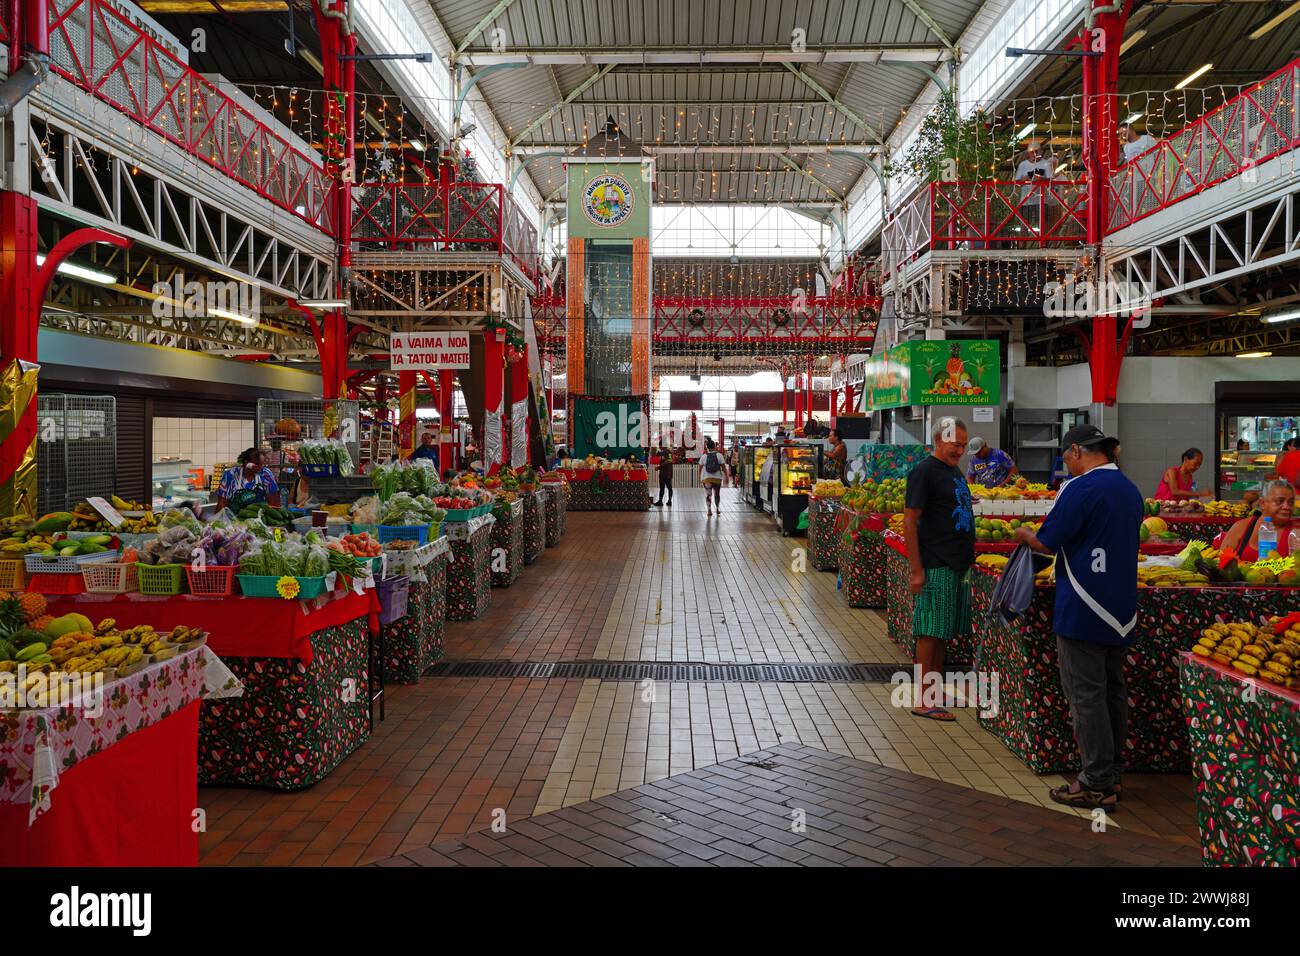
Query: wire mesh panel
[
  {"x": 282, "y": 425},
  {"x": 76, "y": 451}
]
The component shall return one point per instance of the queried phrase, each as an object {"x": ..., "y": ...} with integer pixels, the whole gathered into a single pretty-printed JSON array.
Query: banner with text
[{"x": 428, "y": 351}]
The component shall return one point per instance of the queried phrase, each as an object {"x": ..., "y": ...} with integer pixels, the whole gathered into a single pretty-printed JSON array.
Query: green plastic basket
[
  {"x": 160, "y": 579},
  {"x": 263, "y": 586}
]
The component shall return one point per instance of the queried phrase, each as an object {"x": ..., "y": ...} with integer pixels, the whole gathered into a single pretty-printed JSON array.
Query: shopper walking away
[
  {"x": 1093, "y": 530},
  {"x": 665, "y": 476},
  {"x": 1178, "y": 482},
  {"x": 712, "y": 472},
  {"x": 939, "y": 528}
]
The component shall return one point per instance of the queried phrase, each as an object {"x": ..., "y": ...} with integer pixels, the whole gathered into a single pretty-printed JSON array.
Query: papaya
[{"x": 52, "y": 522}]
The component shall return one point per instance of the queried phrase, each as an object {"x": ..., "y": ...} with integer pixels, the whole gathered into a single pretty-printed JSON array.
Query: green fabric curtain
[{"x": 610, "y": 427}]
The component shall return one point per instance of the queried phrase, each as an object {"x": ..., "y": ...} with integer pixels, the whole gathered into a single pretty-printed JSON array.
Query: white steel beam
[{"x": 730, "y": 56}]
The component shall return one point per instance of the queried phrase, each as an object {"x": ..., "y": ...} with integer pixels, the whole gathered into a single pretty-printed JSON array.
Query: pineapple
[
  {"x": 11, "y": 614},
  {"x": 34, "y": 605}
]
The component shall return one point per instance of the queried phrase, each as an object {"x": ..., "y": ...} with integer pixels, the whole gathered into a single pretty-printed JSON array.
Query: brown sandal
[{"x": 1085, "y": 799}]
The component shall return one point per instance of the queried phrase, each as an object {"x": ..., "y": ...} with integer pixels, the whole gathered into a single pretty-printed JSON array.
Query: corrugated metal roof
[{"x": 726, "y": 105}]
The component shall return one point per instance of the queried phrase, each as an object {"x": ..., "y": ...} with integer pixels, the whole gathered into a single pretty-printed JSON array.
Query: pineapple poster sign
[
  {"x": 936, "y": 372},
  {"x": 956, "y": 372}
]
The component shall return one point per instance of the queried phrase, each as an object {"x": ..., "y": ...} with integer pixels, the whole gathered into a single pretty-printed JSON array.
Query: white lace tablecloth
[{"x": 39, "y": 743}]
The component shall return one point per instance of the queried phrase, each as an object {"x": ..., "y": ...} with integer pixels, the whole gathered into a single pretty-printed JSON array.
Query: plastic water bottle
[
  {"x": 1267, "y": 538},
  {"x": 1293, "y": 542}
]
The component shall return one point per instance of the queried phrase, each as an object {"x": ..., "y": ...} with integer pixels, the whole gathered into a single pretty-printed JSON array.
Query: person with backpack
[{"x": 712, "y": 472}]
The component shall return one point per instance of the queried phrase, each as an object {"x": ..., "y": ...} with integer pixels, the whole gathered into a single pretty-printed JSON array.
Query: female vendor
[
  {"x": 1278, "y": 503},
  {"x": 1177, "y": 482},
  {"x": 248, "y": 483}
]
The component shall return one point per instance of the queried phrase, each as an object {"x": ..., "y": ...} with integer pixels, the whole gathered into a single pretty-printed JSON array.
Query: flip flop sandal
[
  {"x": 934, "y": 713},
  {"x": 1085, "y": 799}
]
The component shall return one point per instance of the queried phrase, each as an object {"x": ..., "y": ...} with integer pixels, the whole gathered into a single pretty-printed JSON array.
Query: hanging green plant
[{"x": 952, "y": 147}]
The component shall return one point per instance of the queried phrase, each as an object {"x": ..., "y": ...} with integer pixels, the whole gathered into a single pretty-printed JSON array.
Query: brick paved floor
[
  {"x": 668, "y": 586},
  {"x": 748, "y": 811}
]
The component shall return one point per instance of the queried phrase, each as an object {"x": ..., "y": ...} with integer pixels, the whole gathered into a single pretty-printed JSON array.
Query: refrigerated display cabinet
[{"x": 797, "y": 469}]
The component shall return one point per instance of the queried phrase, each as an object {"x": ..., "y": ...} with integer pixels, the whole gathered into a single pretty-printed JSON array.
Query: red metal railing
[
  {"x": 95, "y": 47},
  {"x": 989, "y": 214},
  {"x": 1252, "y": 127},
  {"x": 839, "y": 322},
  {"x": 461, "y": 216}
]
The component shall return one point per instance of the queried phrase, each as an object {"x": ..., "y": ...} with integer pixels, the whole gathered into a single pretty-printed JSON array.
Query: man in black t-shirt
[{"x": 939, "y": 527}]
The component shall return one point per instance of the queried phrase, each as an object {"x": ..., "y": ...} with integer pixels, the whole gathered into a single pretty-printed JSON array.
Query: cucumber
[{"x": 30, "y": 651}]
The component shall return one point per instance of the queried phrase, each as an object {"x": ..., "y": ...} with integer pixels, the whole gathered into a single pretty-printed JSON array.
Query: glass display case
[
  {"x": 1249, "y": 449},
  {"x": 752, "y": 466},
  {"x": 798, "y": 466}
]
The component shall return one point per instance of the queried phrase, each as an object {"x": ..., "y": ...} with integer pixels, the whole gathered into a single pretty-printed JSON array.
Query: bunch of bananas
[
  {"x": 142, "y": 634},
  {"x": 829, "y": 489},
  {"x": 183, "y": 635},
  {"x": 896, "y": 523},
  {"x": 1253, "y": 651},
  {"x": 995, "y": 561},
  {"x": 1167, "y": 577},
  {"x": 1226, "y": 509},
  {"x": 20, "y": 543}
]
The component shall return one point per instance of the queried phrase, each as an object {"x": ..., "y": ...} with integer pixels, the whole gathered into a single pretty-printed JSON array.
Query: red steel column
[
  {"x": 798, "y": 400},
  {"x": 519, "y": 393},
  {"x": 494, "y": 343},
  {"x": 446, "y": 409},
  {"x": 405, "y": 414}
]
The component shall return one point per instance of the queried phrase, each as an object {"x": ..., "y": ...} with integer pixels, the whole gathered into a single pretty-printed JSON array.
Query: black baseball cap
[{"x": 1085, "y": 436}]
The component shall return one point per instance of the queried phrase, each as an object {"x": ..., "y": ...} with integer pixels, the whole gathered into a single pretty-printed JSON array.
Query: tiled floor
[
  {"x": 796, "y": 806},
  {"x": 457, "y": 753}
]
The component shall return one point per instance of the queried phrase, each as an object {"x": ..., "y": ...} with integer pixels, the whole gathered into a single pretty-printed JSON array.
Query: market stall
[
  {"x": 823, "y": 541},
  {"x": 608, "y": 488},
  {"x": 292, "y": 725},
  {"x": 469, "y": 583},
  {"x": 860, "y": 542},
  {"x": 69, "y": 768},
  {"x": 413, "y": 642},
  {"x": 899, "y": 603},
  {"x": 1244, "y": 747},
  {"x": 1033, "y": 716},
  {"x": 534, "y": 524},
  {"x": 556, "y": 508},
  {"x": 507, "y": 541}
]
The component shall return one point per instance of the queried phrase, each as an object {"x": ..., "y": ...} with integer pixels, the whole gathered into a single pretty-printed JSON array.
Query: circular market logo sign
[{"x": 607, "y": 200}]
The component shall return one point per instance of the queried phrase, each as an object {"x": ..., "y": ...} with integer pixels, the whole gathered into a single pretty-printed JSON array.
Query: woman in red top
[
  {"x": 1177, "y": 483},
  {"x": 1277, "y": 503},
  {"x": 1288, "y": 465}
]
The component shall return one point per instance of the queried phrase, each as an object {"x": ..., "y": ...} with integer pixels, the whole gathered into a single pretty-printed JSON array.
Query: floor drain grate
[{"x": 662, "y": 671}]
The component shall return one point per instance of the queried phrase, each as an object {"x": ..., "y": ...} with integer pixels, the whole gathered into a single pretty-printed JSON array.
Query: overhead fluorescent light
[
  {"x": 1024, "y": 132},
  {"x": 1287, "y": 316},
  {"x": 1133, "y": 118},
  {"x": 417, "y": 143},
  {"x": 219, "y": 313},
  {"x": 324, "y": 303},
  {"x": 1198, "y": 72},
  {"x": 1253, "y": 354},
  {"x": 1130, "y": 40},
  {"x": 1264, "y": 28},
  {"x": 81, "y": 272}
]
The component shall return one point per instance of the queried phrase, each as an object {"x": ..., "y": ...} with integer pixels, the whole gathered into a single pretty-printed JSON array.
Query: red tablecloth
[
  {"x": 239, "y": 626},
  {"x": 131, "y": 804},
  {"x": 585, "y": 474}
]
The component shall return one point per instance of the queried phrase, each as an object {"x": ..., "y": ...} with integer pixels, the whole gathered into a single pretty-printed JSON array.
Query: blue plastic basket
[
  {"x": 319, "y": 471},
  {"x": 395, "y": 532}
]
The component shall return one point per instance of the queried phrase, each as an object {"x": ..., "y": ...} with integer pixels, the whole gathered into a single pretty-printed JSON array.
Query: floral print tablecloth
[
  {"x": 860, "y": 541},
  {"x": 1033, "y": 715},
  {"x": 823, "y": 543},
  {"x": 1244, "y": 741},
  {"x": 556, "y": 506},
  {"x": 534, "y": 525},
  {"x": 469, "y": 579},
  {"x": 295, "y": 722},
  {"x": 414, "y": 642},
  {"x": 41, "y": 743},
  {"x": 614, "y": 495},
  {"x": 508, "y": 544},
  {"x": 899, "y": 602}
]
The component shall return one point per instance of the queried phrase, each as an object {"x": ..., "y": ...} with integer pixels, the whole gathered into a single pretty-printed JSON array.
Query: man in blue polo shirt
[{"x": 1093, "y": 530}]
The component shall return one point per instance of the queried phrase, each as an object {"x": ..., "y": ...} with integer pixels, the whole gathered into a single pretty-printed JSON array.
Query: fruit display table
[
  {"x": 534, "y": 524},
  {"x": 823, "y": 543},
  {"x": 469, "y": 579},
  {"x": 860, "y": 543},
  {"x": 899, "y": 602},
  {"x": 1244, "y": 743},
  {"x": 414, "y": 642},
  {"x": 608, "y": 489},
  {"x": 507, "y": 543},
  {"x": 1033, "y": 715},
  {"x": 556, "y": 506},
  {"x": 69, "y": 771}
]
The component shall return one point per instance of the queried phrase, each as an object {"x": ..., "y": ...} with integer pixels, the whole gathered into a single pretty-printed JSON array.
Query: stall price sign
[
  {"x": 106, "y": 511},
  {"x": 428, "y": 351}
]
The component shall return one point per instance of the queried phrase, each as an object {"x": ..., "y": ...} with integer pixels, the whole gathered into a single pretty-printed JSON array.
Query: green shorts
[{"x": 942, "y": 609}]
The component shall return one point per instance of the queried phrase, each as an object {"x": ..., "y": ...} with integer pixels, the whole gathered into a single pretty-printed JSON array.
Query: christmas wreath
[{"x": 599, "y": 483}]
